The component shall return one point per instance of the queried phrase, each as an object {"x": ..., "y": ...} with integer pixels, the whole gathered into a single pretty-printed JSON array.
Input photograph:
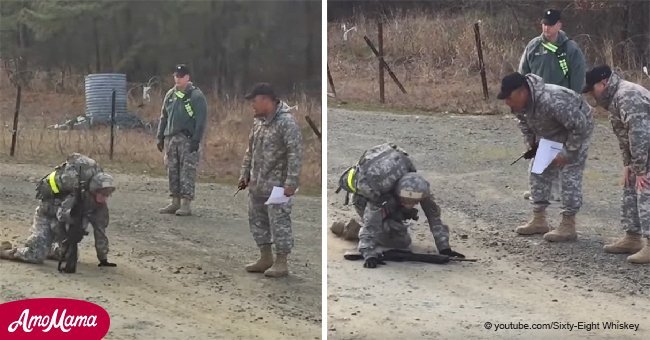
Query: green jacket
[
  {"x": 175, "y": 119},
  {"x": 539, "y": 61}
]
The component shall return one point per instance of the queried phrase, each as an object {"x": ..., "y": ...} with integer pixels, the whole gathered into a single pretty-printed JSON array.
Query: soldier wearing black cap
[
  {"x": 182, "y": 122},
  {"x": 555, "y": 58},
  {"x": 273, "y": 159},
  {"x": 629, "y": 112},
  {"x": 558, "y": 114}
]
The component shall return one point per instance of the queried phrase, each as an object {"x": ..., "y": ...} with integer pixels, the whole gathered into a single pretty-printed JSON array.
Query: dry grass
[
  {"x": 436, "y": 60},
  {"x": 224, "y": 144}
]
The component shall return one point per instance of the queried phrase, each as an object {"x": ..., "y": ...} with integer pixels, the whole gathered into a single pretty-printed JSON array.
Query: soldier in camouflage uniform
[
  {"x": 561, "y": 115},
  {"x": 558, "y": 60},
  {"x": 58, "y": 193},
  {"x": 383, "y": 220},
  {"x": 629, "y": 112},
  {"x": 182, "y": 123},
  {"x": 273, "y": 158}
]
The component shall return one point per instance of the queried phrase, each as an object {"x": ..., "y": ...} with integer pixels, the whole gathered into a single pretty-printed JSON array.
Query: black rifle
[
  {"x": 398, "y": 255},
  {"x": 528, "y": 154},
  {"x": 74, "y": 234}
]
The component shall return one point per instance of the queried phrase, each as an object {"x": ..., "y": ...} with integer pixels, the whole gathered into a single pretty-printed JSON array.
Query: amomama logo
[{"x": 53, "y": 318}]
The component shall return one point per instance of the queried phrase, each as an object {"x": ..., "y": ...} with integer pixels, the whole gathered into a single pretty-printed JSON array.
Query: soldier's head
[
  {"x": 515, "y": 91},
  {"x": 596, "y": 81},
  {"x": 101, "y": 186},
  {"x": 411, "y": 189},
  {"x": 181, "y": 76},
  {"x": 551, "y": 24},
  {"x": 263, "y": 99}
]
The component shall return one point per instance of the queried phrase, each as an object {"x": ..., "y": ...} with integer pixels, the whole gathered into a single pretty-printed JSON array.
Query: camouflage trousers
[
  {"x": 635, "y": 209},
  {"x": 378, "y": 231},
  {"x": 181, "y": 166},
  {"x": 43, "y": 232},
  {"x": 571, "y": 184},
  {"x": 270, "y": 224}
]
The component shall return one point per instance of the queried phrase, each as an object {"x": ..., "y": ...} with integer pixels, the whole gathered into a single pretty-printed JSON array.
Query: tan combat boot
[
  {"x": 8, "y": 254},
  {"x": 184, "y": 210},
  {"x": 565, "y": 232},
  {"x": 537, "y": 225},
  {"x": 628, "y": 244},
  {"x": 643, "y": 256},
  {"x": 279, "y": 268},
  {"x": 172, "y": 207},
  {"x": 265, "y": 262}
]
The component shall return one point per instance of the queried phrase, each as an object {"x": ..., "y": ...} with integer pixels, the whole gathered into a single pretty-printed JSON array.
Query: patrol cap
[
  {"x": 510, "y": 83},
  {"x": 261, "y": 89},
  {"x": 181, "y": 70},
  {"x": 551, "y": 17},
  {"x": 595, "y": 75}
]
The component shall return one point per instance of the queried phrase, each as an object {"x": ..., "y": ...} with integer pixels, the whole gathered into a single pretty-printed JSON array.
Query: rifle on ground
[
  {"x": 74, "y": 234},
  {"x": 399, "y": 255},
  {"x": 528, "y": 154}
]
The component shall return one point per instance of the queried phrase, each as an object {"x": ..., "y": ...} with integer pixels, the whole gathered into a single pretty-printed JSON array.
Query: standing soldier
[
  {"x": 557, "y": 59},
  {"x": 182, "y": 122},
  {"x": 629, "y": 112},
  {"x": 273, "y": 158},
  {"x": 558, "y": 114}
]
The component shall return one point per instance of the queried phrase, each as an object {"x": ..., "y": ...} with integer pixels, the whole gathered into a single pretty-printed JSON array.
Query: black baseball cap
[
  {"x": 595, "y": 75},
  {"x": 551, "y": 17},
  {"x": 261, "y": 89},
  {"x": 510, "y": 83},
  {"x": 181, "y": 70}
]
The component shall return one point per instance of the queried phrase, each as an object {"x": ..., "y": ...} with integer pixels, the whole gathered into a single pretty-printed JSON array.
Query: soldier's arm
[
  {"x": 577, "y": 68},
  {"x": 245, "y": 172},
  {"x": 524, "y": 67},
  {"x": 439, "y": 230},
  {"x": 623, "y": 142},
  {"x": 522, "y": 123},
  {"x": 162, "y": 124},
  {"x": 570, "y": 114},
  {"x": 636, "y": 118},
  {"x": 295, "y": 148},
  {"x": 372, "y": 224},
  {"x": 200, "y": 108}
]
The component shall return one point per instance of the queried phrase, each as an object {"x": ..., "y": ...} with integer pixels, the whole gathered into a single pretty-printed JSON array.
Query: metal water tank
[{"x": 99, "y": 89}]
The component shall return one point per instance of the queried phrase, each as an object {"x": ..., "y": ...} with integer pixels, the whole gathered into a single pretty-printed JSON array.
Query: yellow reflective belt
[
  {"x": 351, "y": 180},
  {"x": 550, "y": 47},
  {"x": 52, "y": 181},
  {"x": 187, "y": 105}
]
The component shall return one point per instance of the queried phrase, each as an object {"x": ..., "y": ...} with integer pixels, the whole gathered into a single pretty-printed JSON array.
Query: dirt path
[
  {"x": 518, "y": 279},
  {"x": 177, "y": 278}
]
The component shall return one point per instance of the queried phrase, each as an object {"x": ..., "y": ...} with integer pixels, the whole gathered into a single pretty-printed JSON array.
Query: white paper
[
  {"x": 278, "y": 197},
  {"x": 546, "y": 152}
]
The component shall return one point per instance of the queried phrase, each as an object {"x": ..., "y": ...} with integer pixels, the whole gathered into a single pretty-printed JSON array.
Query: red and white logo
[{"x": 53, "y": 318}]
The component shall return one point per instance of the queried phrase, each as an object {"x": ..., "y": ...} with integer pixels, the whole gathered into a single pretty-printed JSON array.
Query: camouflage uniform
[
  {"x": 561, "y": 115},
  {"x": 47, "y": 229},
  {"x": 179, "y": 129},
  {"x": 273, "y": 158},
  {"x": 383, "y": 227},
  {"x": 536, "y": 59},
  {"x": 629, "y": 107}
]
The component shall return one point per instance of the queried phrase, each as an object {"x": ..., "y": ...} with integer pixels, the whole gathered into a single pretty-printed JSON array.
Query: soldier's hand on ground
[
  {"x": 289, "y": 191},
  {"x": 642, "y": 182},
  {"x": 372, "y": 262},
  {"x": 194, "y": 146},
  {"x": 161, "y": 145},
  {"x": 560, "y": 160},
  {"x": 451, "y": 253},
  {"x": 627, "y": 171},
  {"x": 105, "y": 263}
]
